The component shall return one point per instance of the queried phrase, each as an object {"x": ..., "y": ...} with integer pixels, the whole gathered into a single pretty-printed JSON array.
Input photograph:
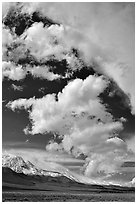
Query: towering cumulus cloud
[{"x": 80, "y": 119}]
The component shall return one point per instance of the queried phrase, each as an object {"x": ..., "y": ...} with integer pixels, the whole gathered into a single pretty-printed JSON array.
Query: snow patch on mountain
[{"x": 19, "y": 165}]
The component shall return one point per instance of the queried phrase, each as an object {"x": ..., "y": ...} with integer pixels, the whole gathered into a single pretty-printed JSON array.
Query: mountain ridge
[
  {"x": 19, "y": 181},
  {"x": 19, "y": 165}
]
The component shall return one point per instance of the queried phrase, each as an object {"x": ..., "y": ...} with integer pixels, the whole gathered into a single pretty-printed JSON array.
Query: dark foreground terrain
[{"x": 41, "y": 196}]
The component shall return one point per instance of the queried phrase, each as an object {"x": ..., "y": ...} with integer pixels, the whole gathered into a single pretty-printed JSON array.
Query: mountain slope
[
  {"x": 9, "y": 176},
  {"x": 18, "y": 165},
  {"x": 15, "y": 181},
  {"x": 21, "y": 167}
]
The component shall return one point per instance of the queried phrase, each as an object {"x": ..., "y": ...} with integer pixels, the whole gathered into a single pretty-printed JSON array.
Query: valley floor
[{"x": 49, "y": 196}]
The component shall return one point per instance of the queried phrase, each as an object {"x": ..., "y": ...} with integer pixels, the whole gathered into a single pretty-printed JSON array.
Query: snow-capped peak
[{"x": 19, "y": 165}]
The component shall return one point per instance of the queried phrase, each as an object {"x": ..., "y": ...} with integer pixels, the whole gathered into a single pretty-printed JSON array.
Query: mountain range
[
  {"x": 20, "y": 174},
  {"x": 18, "y": 165}
]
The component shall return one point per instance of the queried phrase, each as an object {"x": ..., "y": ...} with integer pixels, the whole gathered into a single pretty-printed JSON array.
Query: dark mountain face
[
  {"x": 10, "y": 176},
  {"x": 13, "y": 180},
  {"x": 19, "y": 165}
]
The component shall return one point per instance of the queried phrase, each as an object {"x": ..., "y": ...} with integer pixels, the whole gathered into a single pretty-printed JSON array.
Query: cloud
[
  {"x": 47, "y": 46},
  {"x": 122, "y": 75},
  {"x": 42, "y": 72},
  {"x": 18, "y": 72},
  {"x": 99, "y": 30},
  {"x": 6, "y": 7},
  {"x": 112, "y": 42},
  {"x": 81, "y": 120},
  {"x": 18, "y": 50},
  {"x": 103, "y": 33},
  {"x": 58, "y": 116},
  {"x": 85, "y": 140},
  {"x": 50, "y": 42},
  {"x": 133, "y": 182},
  {"x": 7, "y": 39},
  {"x": 107, "y": 158},
  {"x": 131, "y": 143},
  {"x": 45, "y": 160},
  {"x": 45, "y": 42},
  {"x": 101, "y": 164},
  {"x": 39, "y": 43},
  {"x": 54, "y": 146},
  {"x": 21, "y": 103},
  {"x": 13, "y": 72},
  {"x": 119, "y": 26}
]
